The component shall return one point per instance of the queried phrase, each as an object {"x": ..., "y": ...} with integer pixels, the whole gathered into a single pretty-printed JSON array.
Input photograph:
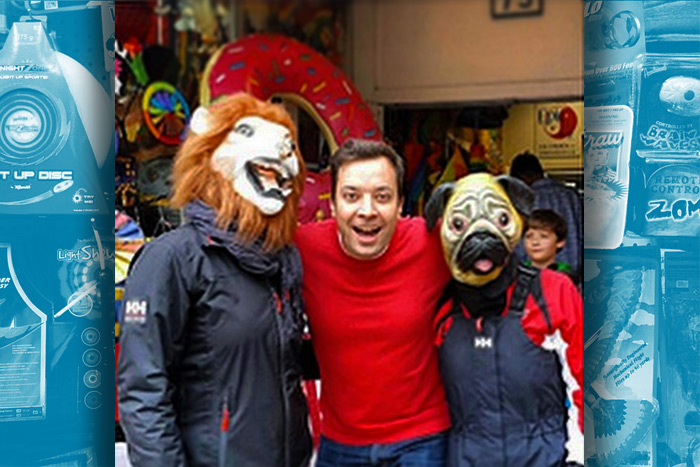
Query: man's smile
[{"x": 366, "y": 234}]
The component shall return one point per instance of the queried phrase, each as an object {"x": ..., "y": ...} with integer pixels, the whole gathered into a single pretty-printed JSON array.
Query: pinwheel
[{"x": 165, "y": 112}]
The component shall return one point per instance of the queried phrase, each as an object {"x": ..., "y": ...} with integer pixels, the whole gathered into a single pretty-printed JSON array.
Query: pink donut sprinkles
[{"x": 265, "y": 65}]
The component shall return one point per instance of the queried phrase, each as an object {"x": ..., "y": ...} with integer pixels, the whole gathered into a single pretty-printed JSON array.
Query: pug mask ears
[
  {"x": 436, "y": 204},
  {"x": 520, "y": 194}
]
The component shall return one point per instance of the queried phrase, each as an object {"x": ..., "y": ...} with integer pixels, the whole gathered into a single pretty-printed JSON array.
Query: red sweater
[{"x": 372, "y": 333}]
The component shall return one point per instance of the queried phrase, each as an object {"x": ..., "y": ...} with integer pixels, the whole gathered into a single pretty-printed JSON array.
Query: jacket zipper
[
  {"x": 223, "y": 436},
  {"x": 501, "y": 404},
  {"x": 285, "y": 403}
]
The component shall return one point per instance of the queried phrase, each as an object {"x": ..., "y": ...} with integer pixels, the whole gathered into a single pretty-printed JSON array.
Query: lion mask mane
[{"x": 197, "y": 177}]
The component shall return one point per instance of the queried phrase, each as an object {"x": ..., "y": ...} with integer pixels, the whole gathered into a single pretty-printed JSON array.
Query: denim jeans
[{"x": 426, "y": 451}]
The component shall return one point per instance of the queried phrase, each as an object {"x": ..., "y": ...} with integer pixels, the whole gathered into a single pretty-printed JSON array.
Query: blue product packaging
[
  {"x": 613, "y": 38},
  {"x": 679, "y": 359},
  {"x": 667, "y": 90},
  {"x": 56, "y": 125},
  {"x": 56, "y": 340},
  {"x": 642, "y": 351},
  {"x": 606, "y": 145},
  {"x": 22, "y": 347},
  {"x": 667, "y": 145},
  {"x": 56, "y": 234},
  {"x": 671, "y": 194},
  {"x": 621, "y": 300}
]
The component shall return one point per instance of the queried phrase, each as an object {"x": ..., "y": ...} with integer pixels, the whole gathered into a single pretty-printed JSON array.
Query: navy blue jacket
[
  {"x": 506, "y": 394},
  {"x": 209, "y": 370}
]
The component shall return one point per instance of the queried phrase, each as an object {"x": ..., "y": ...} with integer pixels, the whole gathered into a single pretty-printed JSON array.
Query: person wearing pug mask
[{"x": 510, "y": 337}]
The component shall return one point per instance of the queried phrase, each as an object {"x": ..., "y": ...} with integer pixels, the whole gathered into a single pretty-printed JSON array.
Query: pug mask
[{"x": 482, "y": 222}]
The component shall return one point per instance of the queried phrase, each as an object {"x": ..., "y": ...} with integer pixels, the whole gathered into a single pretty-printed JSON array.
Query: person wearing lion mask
[{"x": 209, "y": 371}]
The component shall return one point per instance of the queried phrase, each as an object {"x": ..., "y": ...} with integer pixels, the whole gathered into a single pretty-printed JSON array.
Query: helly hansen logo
[
  {"x": 481, "y": 342},
  {"x": 135, "y": 311}
]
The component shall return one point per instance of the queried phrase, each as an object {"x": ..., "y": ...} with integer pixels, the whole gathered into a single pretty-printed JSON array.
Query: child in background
[{"x": 545, "y": 236}]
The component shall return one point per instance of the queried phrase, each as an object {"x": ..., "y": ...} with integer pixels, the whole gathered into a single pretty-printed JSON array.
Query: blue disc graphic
[{"x": 30, "y": 127}]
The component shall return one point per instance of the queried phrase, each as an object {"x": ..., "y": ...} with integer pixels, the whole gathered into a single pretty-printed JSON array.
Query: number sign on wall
[{"x": 516, "y": 8}]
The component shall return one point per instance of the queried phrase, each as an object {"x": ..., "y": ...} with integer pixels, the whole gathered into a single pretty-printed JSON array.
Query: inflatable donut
[{"x": 267, "y": 65}]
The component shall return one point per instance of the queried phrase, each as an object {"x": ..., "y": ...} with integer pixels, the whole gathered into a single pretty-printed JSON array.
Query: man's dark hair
[
  {"x": 526, "y": 166},
  {"x": 361, "y": 149},
  {"x": 546, "y": 219}
]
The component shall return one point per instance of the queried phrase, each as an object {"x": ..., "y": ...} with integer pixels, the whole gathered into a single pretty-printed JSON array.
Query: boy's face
[{"x": 541, "y": 246}]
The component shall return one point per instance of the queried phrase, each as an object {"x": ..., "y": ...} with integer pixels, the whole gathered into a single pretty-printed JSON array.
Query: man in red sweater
[{"x": 371, "y": 284}]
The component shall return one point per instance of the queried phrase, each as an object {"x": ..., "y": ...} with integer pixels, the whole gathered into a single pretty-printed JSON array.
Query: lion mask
[{"x": 241, "y": 158}]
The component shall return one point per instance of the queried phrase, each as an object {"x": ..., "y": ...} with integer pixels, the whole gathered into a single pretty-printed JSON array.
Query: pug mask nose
[{"x": 481, "y": 238}]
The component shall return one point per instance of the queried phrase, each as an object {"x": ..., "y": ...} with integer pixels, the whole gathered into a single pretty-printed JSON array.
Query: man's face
[
  {"x": 366, "y": 206},
  {"x": 541, "y": 246}
]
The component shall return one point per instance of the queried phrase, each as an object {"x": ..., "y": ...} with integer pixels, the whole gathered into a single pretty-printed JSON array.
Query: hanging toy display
[
  {"x": 481, "y": 130},
  {"x": 165, "y": 112},
  {"x": 148, "y": 75},
  {"x": 152, "y": 120}
]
